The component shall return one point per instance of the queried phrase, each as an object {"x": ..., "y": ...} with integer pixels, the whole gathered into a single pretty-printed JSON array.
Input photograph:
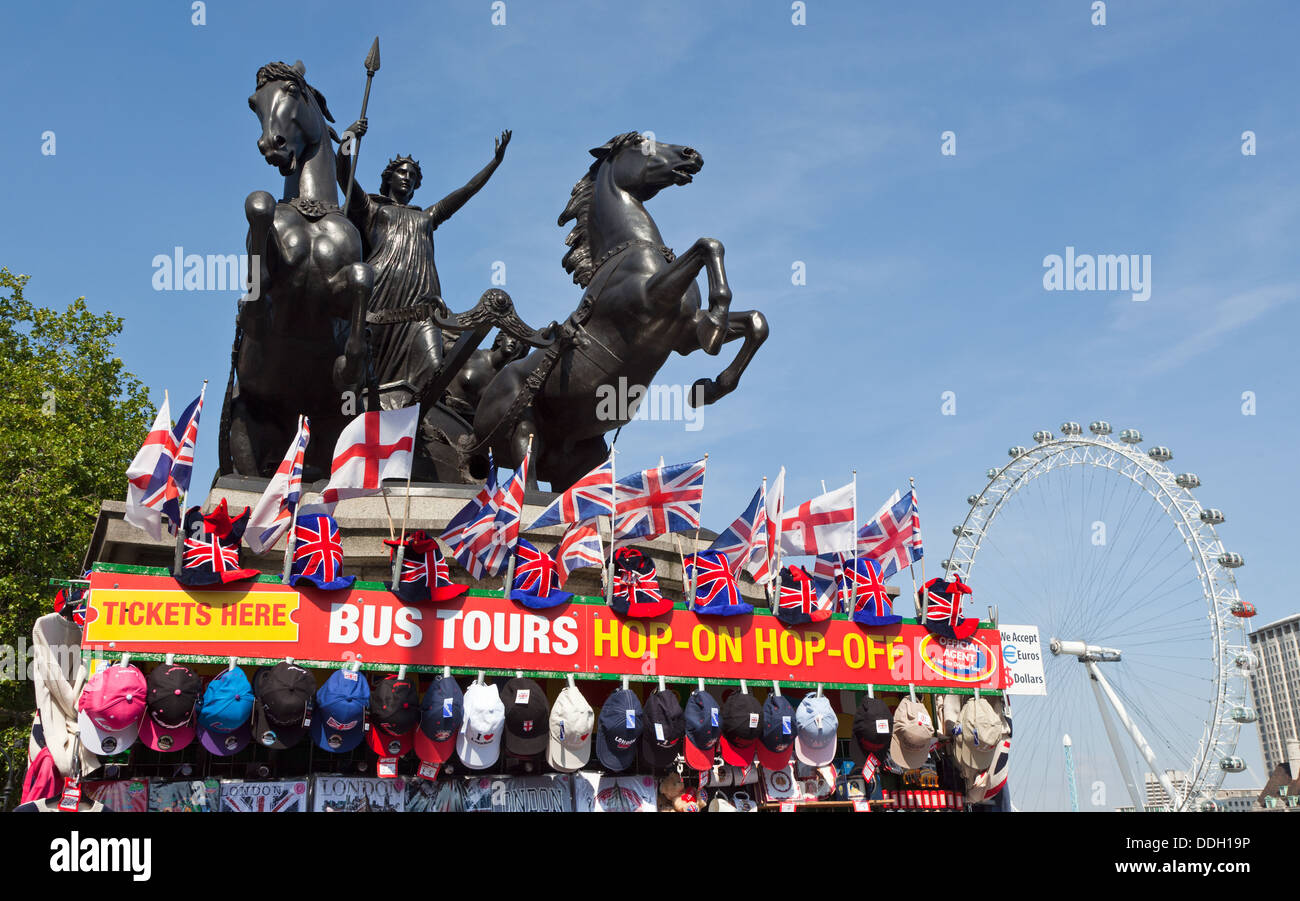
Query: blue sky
[{"x": 821, "y": 144}]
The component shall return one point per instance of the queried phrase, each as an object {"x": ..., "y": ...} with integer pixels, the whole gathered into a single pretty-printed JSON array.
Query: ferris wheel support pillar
[
  {"x": 1120, "y": 757},
  {"x": 1147, "y": 754}
]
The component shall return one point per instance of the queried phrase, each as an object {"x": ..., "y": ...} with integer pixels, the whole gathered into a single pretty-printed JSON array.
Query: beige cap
[
  {"x": 572, "y": 723},
  {"x": 913, "y": 734},
  {"x": 981, "y": 730}
]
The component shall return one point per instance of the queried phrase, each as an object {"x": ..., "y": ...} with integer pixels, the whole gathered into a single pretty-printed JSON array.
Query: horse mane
[
  {"x": 295, "y": 73},
  {"x": 578, "y": 259}
]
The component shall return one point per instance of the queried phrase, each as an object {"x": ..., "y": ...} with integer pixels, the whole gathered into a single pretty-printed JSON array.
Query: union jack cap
[{"x": 318, "y": 553}]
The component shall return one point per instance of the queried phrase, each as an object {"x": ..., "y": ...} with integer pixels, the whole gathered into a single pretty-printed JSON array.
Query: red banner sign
[{"x": 153, "y": 614}]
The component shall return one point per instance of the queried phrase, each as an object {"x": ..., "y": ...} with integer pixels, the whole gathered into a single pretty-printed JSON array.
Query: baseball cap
[
  {"x": 981, "y": 731},
  {"x": 110, "y": 706},
  {"x": 913, "y": 734},
  {"x": 987, "y": 785},
  {"x": 527, "y": 717},
  {"x": 618, "y": 729},
  {"x": 873, "y": 726},
  {"x": 394, "y": 714},
  {"x": 479, "y": 741},
  {"x": 225, "y": 713},
  {"x": 572, "y": 722},
  {"x": 776, "y": 733},
  {"x": 171, "y": 699},
  {"x": 665, "y": 725},
  {"x": 281, "y": 698},
  {"x": 814, "y": 743},
  {"x": 703, "y": 717},
  {"x": 742, "y": 716},
  {"x": 442, "y": 713},
  {"x": 338, "y": 722}
]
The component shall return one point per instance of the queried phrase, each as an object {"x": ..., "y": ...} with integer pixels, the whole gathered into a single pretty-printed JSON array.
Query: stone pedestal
[{"x": 365, "y": 522}]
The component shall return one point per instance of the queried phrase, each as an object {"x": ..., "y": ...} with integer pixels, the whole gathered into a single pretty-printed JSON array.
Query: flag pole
[
  {"x": 853, "y": 548},
  {"x": 686, "y": 592},
  {"x": 767, "y": 588},
  {"x": 613, "y": 515},
  {"x": 696, "y": 550},
  {"x": 512, "y": 552},
  {"x": 293, "y": 514},
  {"x": 406, "y": 514},
  {"x": 185, "y": 501},
  {"x": 916, "y": 594}
]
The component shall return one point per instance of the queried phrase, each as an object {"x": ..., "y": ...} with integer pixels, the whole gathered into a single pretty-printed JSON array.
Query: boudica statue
[{"x": 329, "y": 325}]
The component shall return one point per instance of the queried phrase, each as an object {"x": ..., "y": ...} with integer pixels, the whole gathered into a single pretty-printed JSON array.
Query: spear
[{"x": 372, "y": 66}]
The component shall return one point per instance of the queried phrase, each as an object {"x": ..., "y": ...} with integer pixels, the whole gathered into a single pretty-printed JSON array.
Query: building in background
[{"x": 1275, "y": 687}]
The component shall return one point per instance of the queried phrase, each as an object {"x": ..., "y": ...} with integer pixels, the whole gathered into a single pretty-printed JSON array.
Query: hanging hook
[
  {"x": 871, "y": 691},
  {"x": 446, "y": 672},
  {"x": 231, "y": 668},
  {"x": 401, "y": 672},
  {"x": 819, "y": 689},
  {"x": 168, "y": 659},
  {"x": 911, "y": 691},
  {"x": 744, "y": 689},
  {"x": 289, "y": 660},
  {"x": 479, "y": 680},
  {"x": 662, "y": 684},
  {"x": 569, "y": 677},
  {"x": 776, "y": 688},
  {"x": 519, "y": 674},
  {"x": 701, "y": 685},
  {"x": 625, "y": 683},
  {"x": 126, "y": 658}
]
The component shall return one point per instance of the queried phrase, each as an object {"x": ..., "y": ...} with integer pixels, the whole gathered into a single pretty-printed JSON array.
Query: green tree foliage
[{"x": 71, "y": 419}]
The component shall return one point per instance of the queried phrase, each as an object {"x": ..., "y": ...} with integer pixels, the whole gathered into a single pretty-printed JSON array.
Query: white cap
[
  {"x": 479, "y": 741},
  {"x": 572, "y": 724}
]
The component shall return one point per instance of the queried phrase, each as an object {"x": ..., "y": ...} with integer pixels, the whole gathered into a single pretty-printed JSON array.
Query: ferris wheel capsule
[
  {"x": 1131, "y": 436},
  {"x": 1245, "y": 660},
  {"x": 1160, "y": 454},
  {"x": 1071, "y": 428},
  {"x": 1187, "y": 480},
  {"x": 1230, "y": 560},
  {"x": 1099, "y": 427},
  {"x": 962, "y": 531},
  {"x": 1242, "y": 609},
  {"x": 991, "y": 472},
  {"x": 1212, "y": 516},
  {"x": 1243, "y": 715},
  {"x": 1043, "y": 436},
  {"x": 975, "y": 499},
  {"x": 1232, "y": 764},
  {"x": 1017, "y": 451}
]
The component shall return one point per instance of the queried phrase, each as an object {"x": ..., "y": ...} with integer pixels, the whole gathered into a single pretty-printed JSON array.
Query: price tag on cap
[
  {"x": 521, "y": 696},
  {"x": 753, "y": 721},
  {"x": 349, "y": 675},
  {"x": 659, "y": 732},
  {"x": 862, "y": 807},
  {"x": 71, "y": 795},
  {"x": 387, "y": 768},
  {"x": 787, "y": 807},
  {"x": 429, "y": 770},
  {"x": 882, "y": 725}
]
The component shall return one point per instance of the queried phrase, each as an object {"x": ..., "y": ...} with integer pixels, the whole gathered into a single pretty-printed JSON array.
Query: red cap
[
  {"x": 430, "y": 751},
  {"x": 386, "y": 744},
  {"x": 697, "y": 758},
  {"x": 739, "y": 753}
]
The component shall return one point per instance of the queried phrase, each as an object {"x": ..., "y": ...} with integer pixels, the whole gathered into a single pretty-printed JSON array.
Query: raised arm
[
  {"x": 359, "y": 200},
  {"x": 443, "y": 209}
]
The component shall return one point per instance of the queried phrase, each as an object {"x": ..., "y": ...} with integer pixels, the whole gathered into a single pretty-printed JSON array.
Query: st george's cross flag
[
  {"x": 589, "y": 497},
  {"x": 275, "y": 508},
  {"x": 660, "y": 500},
  {"x": 744, "y": 542},
  {"x": 150, "y": 477},
  {"x": 372, "y": 447},
  {"x": 580, "y": 547},
  {"x": 892, "y": 538},
  {"x": 823, "y": 525}
]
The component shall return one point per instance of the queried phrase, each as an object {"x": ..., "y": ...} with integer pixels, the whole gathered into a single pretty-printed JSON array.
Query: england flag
[
  {"x": 372, "y": 447},
  {"x": 823, "y": 525}
]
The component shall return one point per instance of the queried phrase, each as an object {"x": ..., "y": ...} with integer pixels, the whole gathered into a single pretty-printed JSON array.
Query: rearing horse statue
[
  {"x": 299, "y": 348},
  {"x": 641, "y": 304}
]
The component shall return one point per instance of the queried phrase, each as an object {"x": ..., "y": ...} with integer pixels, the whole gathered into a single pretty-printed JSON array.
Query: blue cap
[
  {"x": 537, "y": 578},
  {"x": 873, "y": 607},
  {"x": 338, "y": 722},
  {"x": 619, "y": 729},
  {"x": 225, "y": 713}
]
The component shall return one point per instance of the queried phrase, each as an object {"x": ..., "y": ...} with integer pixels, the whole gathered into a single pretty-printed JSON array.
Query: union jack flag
[
  {"x": 535, "y": 573},
  {"x": 762, "y": 568},
  {"x": 472, "y": 529},
  {"x": 580, "y": 547},
  {"x": 278, "y": 503},
  {"x": 510, "y": 504},
  {"x": 152, "y": 487},
  {"x": 209, "y": 551},
  {"x": 943, "y": 605},
  {"x": 589, "y": 497},
  {"x": 415, "y": 569},
  {"x": 320, "y": 552},
  {"x": 632, "y": 588},
  {"x": 656, "y": 501},
  {"x": 185, "y": 434},
  {"x": 871, "y": 594},
  {"x": 893, "y": 536},
  {"x": 799, "y": 598},
  {"x": 744, "y": 542},
  {"x": 828, "y": 570},
  {"x": 714, "y": 581}
]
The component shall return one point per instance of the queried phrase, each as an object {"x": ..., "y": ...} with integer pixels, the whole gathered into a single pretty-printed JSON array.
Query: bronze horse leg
[
  {"x": 750, "y": 325},
  {"x": 354, "y": 282},
  {"x": 672, "y": 281}
]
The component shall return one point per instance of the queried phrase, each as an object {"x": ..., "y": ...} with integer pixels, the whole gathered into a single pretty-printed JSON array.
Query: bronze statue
[
  {"x": 301, "y": 345},
  {"x": 467, "y": 386},
  {"x": 641, "y": 304},
  {"x": 397, "y": 239}
]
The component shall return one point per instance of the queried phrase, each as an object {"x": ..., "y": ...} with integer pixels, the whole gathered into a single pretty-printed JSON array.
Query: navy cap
[
  {"x": 776, "y": 733},
  {"x": 338, "y": 722},
  {"x": 703, "y": 718},
  {"x": 665, "y": 725},
  {"x": 620, "y": 726},
  {"x": 442, "y": 713}
]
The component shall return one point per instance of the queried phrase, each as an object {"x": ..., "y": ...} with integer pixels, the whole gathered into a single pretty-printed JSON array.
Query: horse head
[
  {"x": 293, "y": 114},
  {"x": 643, "y": 167}
]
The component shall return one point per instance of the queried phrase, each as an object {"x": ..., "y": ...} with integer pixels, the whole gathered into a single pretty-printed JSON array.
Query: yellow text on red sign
[{"x": 192, "y": 616}]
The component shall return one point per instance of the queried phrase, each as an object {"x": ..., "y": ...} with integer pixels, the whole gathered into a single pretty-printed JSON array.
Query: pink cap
[{"x": 111, "y": 706}]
